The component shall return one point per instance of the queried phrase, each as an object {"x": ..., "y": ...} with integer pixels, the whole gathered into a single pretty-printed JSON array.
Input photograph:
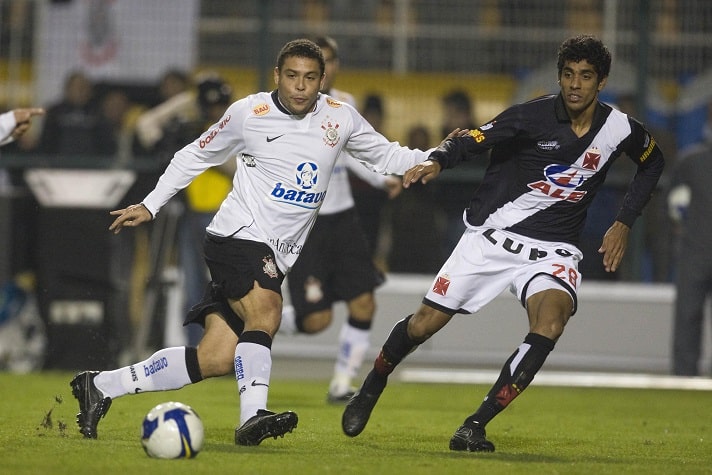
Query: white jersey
[
  {"x": 284, "y": 165},
  {"x": 7, "y": 125},
  {"x": 340, "y": 197}
]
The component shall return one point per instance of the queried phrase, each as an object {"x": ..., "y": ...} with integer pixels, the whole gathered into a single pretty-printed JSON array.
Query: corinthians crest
[
  {"x": 270, "y": 268},
  {"x": 331, "y": 135}
]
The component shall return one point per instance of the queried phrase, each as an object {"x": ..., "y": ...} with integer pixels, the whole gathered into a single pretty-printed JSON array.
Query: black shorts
[
  {"x": 335, "y": 265},
  {"x": 235, "y": 265}
]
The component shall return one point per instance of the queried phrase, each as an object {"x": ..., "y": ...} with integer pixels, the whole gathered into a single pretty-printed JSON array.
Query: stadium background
[{"x": 408, "y": 52}]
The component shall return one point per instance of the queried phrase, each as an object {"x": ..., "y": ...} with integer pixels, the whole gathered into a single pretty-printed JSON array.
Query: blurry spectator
[
  {"x": 178, "y": 106},
  {"x": 115, "y": 107},
  {"x": 453, "y": 194},
  {"x": 75, "y": 125},
  {"x": 658, "y": 237},
  {"x": 370, "y": 201},
  {"x": 415, "y": 221},
  {"x": 173, "y": 82},
  {"x": 690, "y": 201},
  {"x": 164, "y": 130}
]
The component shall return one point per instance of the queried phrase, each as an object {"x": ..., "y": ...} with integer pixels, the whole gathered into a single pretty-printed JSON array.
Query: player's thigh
[
  {"x": 548, "y": 312},
  {"x": 260, "y": 309}
]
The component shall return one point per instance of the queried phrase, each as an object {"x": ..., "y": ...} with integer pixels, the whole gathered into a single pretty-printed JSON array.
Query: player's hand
[
  {"x": 615, "y": 242},
  {"x": 393, "y": 186},
  {"x": 456, "y": 133},
  {"x": 425, "y": 171},
  {"x": 131, "y": 217},
  {"x": 23, "y": 117}
]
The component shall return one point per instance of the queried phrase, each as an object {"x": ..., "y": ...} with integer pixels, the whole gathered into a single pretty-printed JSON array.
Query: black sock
[
  {"x": 192, "y": 365},
  {"x": 361, "y": 325},
  {"x": 512, "y": 381},
  {"x": 397, "y": 346}
]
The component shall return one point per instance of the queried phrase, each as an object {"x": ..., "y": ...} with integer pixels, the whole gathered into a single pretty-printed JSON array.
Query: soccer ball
[{"x": 172, "y": 430}]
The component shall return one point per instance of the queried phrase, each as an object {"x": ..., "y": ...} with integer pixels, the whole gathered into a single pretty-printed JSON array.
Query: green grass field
[{"x": 546, "y": 430}]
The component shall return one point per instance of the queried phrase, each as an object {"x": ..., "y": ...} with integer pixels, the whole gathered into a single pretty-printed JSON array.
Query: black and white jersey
[
  {"x": 542, "y": 177},
  {"x": 284, "y": 165}
]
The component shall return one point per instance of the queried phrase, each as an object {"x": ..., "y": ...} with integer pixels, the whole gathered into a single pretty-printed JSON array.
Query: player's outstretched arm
[
  {"x": 614, "y": 245},
  {"x": 131, "y": 216}
]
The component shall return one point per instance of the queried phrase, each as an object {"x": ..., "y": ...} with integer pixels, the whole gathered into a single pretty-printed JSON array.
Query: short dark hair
[
  {"x": 328, "y": 42},
  {"x": 589, "y": 48},
  {"x": 301, "y": 48}
]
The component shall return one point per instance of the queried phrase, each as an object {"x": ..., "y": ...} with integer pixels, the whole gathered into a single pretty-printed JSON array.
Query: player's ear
[
  {"x": 602, "y": 83},
  {"x": 276, "y": 76}
]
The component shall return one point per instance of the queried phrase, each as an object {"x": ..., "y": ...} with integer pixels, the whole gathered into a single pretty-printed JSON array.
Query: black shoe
[
  {"x": 265, "y": 424},
  {"x": 471, "y": 439},
  {"x": 340, "y": 399},
  {"x": 92, "y": 403},
  {"x": 357, "y": 412}
]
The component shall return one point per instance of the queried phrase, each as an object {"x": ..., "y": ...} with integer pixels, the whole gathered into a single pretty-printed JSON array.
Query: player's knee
[
  {"x": 552, "y": 329},
  {"x": 425, "y": 323},
  {"x": 316, "y": 322},
  {"x": 363, "y": 307}
]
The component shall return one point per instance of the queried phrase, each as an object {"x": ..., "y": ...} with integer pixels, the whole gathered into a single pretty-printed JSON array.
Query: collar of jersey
[{"x": 278, "y": 103}]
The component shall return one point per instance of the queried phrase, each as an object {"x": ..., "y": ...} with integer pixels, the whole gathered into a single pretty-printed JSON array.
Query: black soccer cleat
[
  {"x": 92, "y": 403},
  {"x": 357, "y": 412},
  {"x": 265, "y": 424},
  {"x": 471, "y": 439}
]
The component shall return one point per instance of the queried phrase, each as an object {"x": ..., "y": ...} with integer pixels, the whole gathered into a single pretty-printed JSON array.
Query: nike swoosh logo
[
  {"x": 272, "y": 139},
  {"x": 255, "y": 383}
]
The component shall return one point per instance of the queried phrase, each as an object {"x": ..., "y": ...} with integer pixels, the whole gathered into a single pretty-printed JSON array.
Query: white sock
[
  {"x": 353, "y": 345},
  {"x": 289, "y": 321},
  {"x": 253, "y": 365},
  {"x": 164, "y": 370}
]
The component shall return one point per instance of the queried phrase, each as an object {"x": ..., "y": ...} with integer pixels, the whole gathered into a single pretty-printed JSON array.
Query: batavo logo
[{"x": 306, "y": 176}]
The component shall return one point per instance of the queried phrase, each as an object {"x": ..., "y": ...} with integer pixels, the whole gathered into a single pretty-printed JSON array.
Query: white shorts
[{"x": 485, "y": 262}]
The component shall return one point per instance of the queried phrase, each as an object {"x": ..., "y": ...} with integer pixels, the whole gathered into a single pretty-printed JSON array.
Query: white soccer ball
[{"x": 172, "y": 430}]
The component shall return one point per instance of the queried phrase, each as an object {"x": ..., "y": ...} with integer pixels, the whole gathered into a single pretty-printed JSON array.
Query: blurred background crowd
[{"x": 126, "y": 84}]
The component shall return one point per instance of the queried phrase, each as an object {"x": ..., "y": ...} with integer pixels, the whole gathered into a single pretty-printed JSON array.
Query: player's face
[
  {"x": 298, "y": 83},
  {"x": 580, "y": 86}
]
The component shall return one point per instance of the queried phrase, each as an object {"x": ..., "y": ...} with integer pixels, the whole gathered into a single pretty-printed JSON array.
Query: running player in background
[
  {"x": 548, "y": 158},
  {"x": 335, "y": 263},
  {"x": 287, "y": 143}
]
